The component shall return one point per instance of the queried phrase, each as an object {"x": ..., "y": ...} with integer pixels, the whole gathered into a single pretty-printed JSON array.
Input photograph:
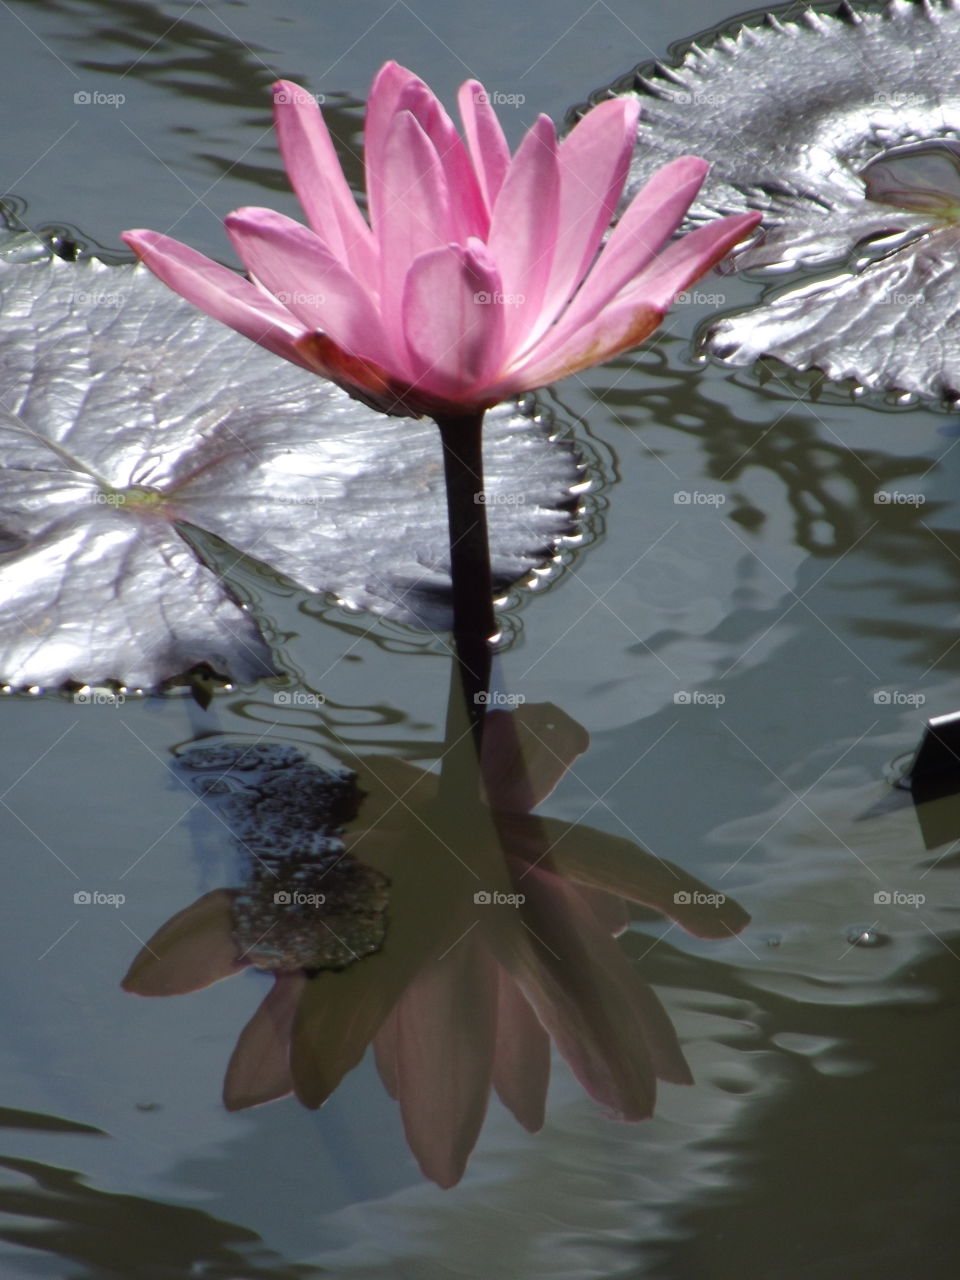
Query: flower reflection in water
[{"x": 499, "y": 937}]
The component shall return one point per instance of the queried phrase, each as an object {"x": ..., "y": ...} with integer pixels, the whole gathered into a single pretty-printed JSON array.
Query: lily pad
[
  {"x": 807, "y": 119},
  {"x": 126, "y": 414}
]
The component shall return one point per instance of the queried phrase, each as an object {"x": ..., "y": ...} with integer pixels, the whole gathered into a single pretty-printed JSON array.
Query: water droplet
[{"x": 860, "y": 937}]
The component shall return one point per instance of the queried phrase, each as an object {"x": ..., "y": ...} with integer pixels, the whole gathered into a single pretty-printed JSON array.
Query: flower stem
[{"x": 474, "y": 624}]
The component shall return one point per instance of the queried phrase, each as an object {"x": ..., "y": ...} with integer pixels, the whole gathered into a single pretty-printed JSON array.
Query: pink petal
[
  {"x": 453, "y": 321},
  {"x": 468, "y": 208},
  {"x": 610, "y": 333},
  {"x": 385, "y": 1054},
  {"x": 687, "y": 259},
  {"x": 414, "y": 216},
  {"x": 301, "y": 272},
  {"x": 620, "y": 867},
  {"x": 338, "y": 1015},
  {"x": 315, "y": 174},
  {"x": 259, "y": 1069},
  {"x": 340, "y": 1012},
  {"x": 219, "y": 292},
  {"x": 388, "y": 84},
  {"x": 650, "y": 220},
  {"x": 612, "y": 913},
  {"x": 523, "y": 230},
  {"x": 521, "y": 1068},
  {"x": 631, "y": 315},
  {"x": 488, "y": 146},
  {"x": 594, "y": 161},
  {"x": 605, "y": 1021},
  {"x": 192, "y": 950},
  {"x": 446, "y": 1032},
  {"x": 526, "y": 752}
]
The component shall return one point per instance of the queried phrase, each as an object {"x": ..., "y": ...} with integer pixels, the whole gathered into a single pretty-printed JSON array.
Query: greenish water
[{"x": 820, "y": 1138}]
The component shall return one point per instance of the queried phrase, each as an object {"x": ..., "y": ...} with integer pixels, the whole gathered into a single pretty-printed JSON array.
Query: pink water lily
[{"x": 478, "y": 274}]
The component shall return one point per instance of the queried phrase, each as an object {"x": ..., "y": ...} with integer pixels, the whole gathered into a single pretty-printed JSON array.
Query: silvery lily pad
[
  {"x": 825, "y": 123},
  {"x": 124, "y": 413}
]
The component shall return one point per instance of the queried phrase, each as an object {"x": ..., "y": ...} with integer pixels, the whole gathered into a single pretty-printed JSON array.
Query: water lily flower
[{"x": 478, "y": 275}]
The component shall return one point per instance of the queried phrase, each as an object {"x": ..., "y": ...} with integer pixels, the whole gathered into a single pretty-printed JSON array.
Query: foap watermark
[
  {"x": 699, "y": 99},
  {"x": 897, "y": 298},
  {"x": 298, "y": 97},
  {"x": 495, "y": 98},
  {"x": 498, "y": 299},
  {"x": 98, "y": 298},
  {"x": 897, "y": 698},
  {"x": 496, "y": 898},
  {"x": 897, "y": 498},
  {"x": 94, "y": 98},
  {"x": 697, "y": 698},
  {"x": 697, "y": 498},
  {"x": 697, "y": 298},
  {"x": 296, "y": 297},
  {"x": 95, "y": 898},
  {"x": 297, "y": 698},
  {"x": 484, "y": 499},
  {"x": 495, "y": 698},
  {"x": 697, "y": 898},
  {"x": 895, "y": 898},
  {"x": 893, "y": 98},
  {"x": 88, "y": 697},
  {"x": 296, "y": 898}
]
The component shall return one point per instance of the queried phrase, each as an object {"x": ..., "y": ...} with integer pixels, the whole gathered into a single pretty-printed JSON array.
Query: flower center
[{"x": 135, "y": 495}]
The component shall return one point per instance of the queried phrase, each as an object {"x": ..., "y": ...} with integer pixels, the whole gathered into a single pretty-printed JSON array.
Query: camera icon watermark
[
  {"x": 298, "y": 97},
  {"x": 88, "y": 697},
  {"x": 895, "y": 898},
  {"x": 687, "y": 99},
  {"x": 486, "y": 898},
  {"x": 484, "y": 499},
  {"x": 95, "y": 898},
  {"x": 297, "y": 698},
  {"x": 295, "y": 898},
  {"x": 297, "y": 298},
  {"x": 696, "y": 498},
  {"x": 497, "y": 699},
  {"x": 898, "y": 100},
  {"x": 697, "y": 698},
  {"x": 696, "y": 898},
  {"x": 498, "y": 299},
  {"x": 94, "y": 98},
  {"x": 696, "y": 298},
  {"x": 897, "y": 698},
  {"x": 494, "y": 98},
  {"x": 895, "y": 498}
]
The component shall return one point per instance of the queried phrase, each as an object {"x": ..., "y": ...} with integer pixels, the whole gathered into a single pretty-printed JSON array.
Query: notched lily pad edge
[
  {"x": 658, "y": 76},
  {"x": 818, "y": 385}
]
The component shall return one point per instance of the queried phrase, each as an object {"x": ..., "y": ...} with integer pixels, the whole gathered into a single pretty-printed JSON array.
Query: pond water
[{"x": 750, "y": 639}]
